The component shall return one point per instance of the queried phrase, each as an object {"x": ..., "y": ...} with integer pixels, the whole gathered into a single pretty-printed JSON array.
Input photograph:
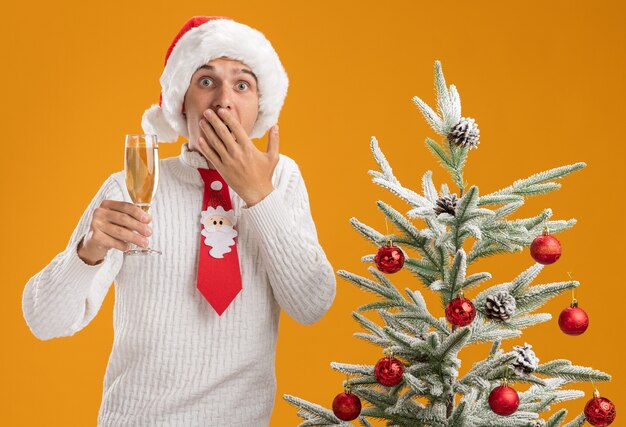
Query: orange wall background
[{"x": 544, "y": 81}]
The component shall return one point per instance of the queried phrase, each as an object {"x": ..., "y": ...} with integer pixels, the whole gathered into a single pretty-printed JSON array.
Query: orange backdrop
[{"x": 544, "y": 81}]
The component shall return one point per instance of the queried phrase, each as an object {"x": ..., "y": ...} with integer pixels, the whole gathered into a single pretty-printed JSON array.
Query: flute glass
[{"x": 141, "y": 170}]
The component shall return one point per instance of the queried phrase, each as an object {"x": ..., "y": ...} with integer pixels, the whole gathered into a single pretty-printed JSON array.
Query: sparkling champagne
[{"x": 142, "y": 173}]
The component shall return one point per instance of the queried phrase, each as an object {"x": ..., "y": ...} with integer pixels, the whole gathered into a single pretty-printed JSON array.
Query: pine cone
[
  {"x": 500, "y": 306},
  {"x": 446, "y": 204},
  {"x": 465, "y": 133},
  {"x": 526, "y": 361}
]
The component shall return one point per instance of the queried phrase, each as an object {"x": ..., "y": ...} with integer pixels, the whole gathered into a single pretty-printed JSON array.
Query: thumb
[{"x": 273, "y": 141}]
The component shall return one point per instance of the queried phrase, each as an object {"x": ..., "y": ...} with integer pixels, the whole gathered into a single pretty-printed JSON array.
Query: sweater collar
[{"x": 187, "y": 164}]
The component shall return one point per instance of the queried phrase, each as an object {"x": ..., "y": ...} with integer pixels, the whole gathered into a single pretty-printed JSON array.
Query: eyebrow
[{"x": 235, "y": 71}]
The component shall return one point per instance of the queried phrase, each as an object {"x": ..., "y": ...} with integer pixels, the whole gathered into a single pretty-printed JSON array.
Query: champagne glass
[{"x": 141, "y": 171}]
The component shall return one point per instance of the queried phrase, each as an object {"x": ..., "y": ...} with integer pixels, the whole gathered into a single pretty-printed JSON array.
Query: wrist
[
  {"x": 255, "y": 197},
  {"x": 87, "y": 256}
]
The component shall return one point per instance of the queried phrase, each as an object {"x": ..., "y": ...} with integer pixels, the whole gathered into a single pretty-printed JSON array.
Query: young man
[{"x": 195, "y": 328}]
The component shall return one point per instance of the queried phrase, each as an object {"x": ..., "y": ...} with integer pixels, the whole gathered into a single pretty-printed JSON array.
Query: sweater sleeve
[
  {"x": 301, "y": 277},
  {"x": 67, "y": 294}
]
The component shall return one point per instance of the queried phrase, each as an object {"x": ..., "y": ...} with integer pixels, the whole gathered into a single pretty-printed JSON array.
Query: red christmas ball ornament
[
  {"x": 389, "y": 258},
  {"x": 346, "y": 406},
  {"x": 389, "y": 371},
  {"x": 599, "y": 411},
  {"x": 503, "y": 400},
  {"x": 460, "y": 311},
  {"x": 545, "y": 249},
  {"x": 573, "y": 320}
]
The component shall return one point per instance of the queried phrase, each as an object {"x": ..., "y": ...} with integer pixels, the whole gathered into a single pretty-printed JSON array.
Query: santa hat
[
  {"x": 202, "y": 39},
  {"x": 215, "y": 204}
]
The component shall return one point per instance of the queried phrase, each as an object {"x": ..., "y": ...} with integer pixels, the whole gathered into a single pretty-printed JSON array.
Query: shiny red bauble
[
  {"x": 573, "y": 320},
  {"x": 460, "y": 311},
  {"x": 545, "y": 249},
  {"x": 389, "y": 371},
  {"x": 346, "y": 406},
  {"x": 600, "y": 411},
  {"x": 389, "y": 259},
  {"x": 503, "y": 400}
]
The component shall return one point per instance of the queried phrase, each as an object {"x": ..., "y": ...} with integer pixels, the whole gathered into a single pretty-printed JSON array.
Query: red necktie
[{"x": 219, "y": 275}]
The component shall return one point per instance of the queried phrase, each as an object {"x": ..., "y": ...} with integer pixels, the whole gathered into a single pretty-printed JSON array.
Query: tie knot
[{"x": 210, "y": 175}]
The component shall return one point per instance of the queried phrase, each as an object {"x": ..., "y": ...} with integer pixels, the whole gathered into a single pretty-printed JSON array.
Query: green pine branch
[{"x": 539, "y": 183}]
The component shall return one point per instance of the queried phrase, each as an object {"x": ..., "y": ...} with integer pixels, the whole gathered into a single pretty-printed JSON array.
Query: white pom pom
[{"x": 153, "y": 121}]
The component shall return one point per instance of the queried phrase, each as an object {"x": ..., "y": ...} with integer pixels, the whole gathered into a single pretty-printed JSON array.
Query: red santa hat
[
  {"x": 215, "y": 204},
  {"x": 202, "y": 39}
]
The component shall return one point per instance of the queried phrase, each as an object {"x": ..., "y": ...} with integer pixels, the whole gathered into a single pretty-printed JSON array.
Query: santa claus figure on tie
[
  {"x": 218, "y": 230},
  {"x": 218, "y": 224}
]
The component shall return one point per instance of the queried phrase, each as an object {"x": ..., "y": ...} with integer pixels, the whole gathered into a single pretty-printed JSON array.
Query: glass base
[{"x": 146, "y": 251}]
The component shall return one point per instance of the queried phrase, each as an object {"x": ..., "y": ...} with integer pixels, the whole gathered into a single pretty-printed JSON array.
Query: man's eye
[
  {"x": 244, "y": 84},
  {"x": 205, "y": 82}
]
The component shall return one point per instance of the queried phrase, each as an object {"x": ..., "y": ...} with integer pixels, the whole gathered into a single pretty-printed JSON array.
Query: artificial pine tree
[{"x": 422, "y": 349}]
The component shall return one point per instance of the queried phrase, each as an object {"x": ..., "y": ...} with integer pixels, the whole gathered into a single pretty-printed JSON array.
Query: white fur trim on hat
[
  {"x": 214, "y": 39},
  {"x": 154, "y": 121}
]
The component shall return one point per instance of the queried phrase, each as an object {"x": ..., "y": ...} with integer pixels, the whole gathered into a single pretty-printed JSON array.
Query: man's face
[{"x": 226, "y": 83}]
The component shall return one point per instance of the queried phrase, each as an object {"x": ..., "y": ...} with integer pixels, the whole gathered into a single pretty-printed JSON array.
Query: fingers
[
  {"x": 273, "y": 142},
  {"x": 209, "y": 152},
  {"x": 120, "y": 234},
  {"x": 221, "y": 130},
  {"x": 115, "y": 223},
  {"x": 235, "y": 127},
  {"x": 127, "y": 208},
  {"x": 106, "y": 242},
  {"x": 213, "y": 139},
  {"x": 126, "y": 221}
]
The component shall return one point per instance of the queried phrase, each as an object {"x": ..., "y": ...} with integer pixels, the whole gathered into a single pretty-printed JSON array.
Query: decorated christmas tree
[{"x": 417, "y": 381}]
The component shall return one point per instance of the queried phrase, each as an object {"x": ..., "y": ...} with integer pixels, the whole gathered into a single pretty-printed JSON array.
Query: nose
[{"x": 223, "y": 98}]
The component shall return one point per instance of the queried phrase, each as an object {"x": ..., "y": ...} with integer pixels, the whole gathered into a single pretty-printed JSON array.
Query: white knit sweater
[{"x": 174, "y": 361}]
